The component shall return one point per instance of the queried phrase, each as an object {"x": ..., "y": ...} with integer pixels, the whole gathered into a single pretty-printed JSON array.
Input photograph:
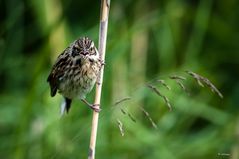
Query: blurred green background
[{"x": 147, "y": 40}]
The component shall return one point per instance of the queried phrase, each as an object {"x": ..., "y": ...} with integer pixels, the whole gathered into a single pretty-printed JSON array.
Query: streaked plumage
[{"x": 75, "y": 71}]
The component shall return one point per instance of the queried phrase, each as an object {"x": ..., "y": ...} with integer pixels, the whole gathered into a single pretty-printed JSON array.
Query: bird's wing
[{"x": 58, "y": 71}]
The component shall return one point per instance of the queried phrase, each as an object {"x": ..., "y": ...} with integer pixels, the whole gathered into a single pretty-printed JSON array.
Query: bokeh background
[{"x": 147, "y": 40}]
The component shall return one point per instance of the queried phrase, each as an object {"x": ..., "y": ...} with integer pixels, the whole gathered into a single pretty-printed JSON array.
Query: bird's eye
[
  {"x": 91, "y": 49},
  {"x": 75, "y": 51}
]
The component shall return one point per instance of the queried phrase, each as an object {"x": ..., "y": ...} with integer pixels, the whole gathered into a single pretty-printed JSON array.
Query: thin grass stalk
[{"x": 104, "y": 13}]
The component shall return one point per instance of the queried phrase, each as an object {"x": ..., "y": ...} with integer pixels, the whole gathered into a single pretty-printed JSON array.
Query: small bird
[{"x": 75, "y": 72}]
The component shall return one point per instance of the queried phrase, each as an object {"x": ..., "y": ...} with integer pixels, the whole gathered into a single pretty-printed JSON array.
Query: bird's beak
[{"x": 84, "y": 52}]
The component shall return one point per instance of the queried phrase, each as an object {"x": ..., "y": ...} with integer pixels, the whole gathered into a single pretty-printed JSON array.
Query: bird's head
[{"x": 85, "y": 48}]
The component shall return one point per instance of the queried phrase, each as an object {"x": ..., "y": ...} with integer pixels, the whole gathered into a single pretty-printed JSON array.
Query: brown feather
[{"x": 57, "y": 72}]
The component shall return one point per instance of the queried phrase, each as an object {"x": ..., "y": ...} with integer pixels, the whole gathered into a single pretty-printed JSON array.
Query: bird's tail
[{"x": 65, "y": 106}]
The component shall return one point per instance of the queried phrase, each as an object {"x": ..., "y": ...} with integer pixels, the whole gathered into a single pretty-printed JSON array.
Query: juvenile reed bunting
[{"x": 75, "y": 72}]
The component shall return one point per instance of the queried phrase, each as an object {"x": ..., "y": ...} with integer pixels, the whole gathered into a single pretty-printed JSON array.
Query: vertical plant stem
[{"x": 105, "y": 6}]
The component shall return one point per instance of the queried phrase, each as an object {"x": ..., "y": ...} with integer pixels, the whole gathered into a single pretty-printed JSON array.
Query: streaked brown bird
[{"x": 75, "y": 72}]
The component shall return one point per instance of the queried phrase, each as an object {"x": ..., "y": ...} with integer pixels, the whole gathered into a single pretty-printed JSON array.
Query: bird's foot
[
  {"x": 95, "y": 107},
  {"x": 102, "y": 63}
]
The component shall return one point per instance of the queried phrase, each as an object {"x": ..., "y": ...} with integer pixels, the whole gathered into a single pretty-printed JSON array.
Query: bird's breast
[{"x": 79, "y": 79}]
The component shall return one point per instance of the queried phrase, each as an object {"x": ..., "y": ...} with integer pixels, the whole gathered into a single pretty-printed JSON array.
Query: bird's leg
[{"x": 95, "y": 107}]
